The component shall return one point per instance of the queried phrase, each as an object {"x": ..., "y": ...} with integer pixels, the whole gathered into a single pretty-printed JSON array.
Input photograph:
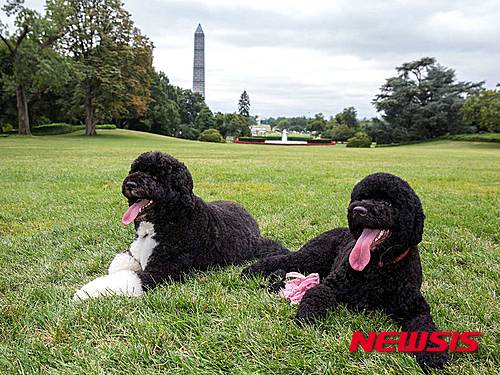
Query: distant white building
[{"x": 260, "y": 129}]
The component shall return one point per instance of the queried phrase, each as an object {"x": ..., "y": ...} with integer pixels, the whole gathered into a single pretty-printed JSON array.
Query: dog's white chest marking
[{"x": 143, "y": 245}]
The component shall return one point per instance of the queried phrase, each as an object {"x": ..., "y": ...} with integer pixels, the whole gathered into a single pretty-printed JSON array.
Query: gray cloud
[{"x": 462, "y": 35}]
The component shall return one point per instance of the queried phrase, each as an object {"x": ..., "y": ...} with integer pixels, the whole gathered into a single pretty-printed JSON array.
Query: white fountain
[{"x": 285, "y": 141}]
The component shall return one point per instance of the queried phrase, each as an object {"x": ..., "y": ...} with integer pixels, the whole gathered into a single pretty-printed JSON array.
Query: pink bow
[{"x": 298, "y": 285}]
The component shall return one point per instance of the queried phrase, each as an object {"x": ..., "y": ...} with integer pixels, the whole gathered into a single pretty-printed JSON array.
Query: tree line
[
  {"x": 84, "y": 61},
  {"x": 423, "y": 101}
]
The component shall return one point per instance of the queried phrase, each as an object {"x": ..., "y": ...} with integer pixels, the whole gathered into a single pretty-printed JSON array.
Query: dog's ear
[
  {"x": 183, "y": 184},
  {"x": 418, "y": 226},
  {"x": 415, "y": 236}
]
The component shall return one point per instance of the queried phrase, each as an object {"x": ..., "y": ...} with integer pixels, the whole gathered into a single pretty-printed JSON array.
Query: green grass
[{"x": 60, "y": 210}]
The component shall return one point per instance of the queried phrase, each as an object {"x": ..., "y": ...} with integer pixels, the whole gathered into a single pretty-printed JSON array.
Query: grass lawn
[{"x": 60, "y": 211}]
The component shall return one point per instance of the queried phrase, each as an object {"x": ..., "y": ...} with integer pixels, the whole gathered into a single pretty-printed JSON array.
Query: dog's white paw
[
  {"x": 124, "y": 261},
  {"x": 122, "y": 283}
]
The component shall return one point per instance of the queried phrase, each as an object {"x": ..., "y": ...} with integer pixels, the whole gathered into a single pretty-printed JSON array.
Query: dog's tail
[{"x": 267, "y": 247}]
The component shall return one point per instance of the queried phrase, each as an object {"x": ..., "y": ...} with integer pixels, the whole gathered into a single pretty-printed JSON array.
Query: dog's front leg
[
  {"x": 124, "y": 282},
  {"x": 124, "y": 261},
  {"x": 414, "y": 315},
  {"x": 424, "y": 323},
  {"x": 316, "y": 303}
]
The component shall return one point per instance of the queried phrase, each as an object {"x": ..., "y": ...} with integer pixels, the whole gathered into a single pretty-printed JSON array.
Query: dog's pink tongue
[
  {"x": 132, "y": 212},
  {"x": 360, "y": 254}
]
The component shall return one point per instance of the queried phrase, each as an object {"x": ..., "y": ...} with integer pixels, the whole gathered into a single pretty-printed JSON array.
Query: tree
[
  {"x": 232, "y": 124},
  {"x": 113, "y": 60},
  {"x": 204, "y": 120},
  {"x": 317, "y": 124},
  {"x": 190, "y": 104},
  {"x": 163, "y": 115},
  {"x": 348, "y": 117},
  {"x": 282, "y": 123},
  {"x": 244, "y": 104},
  {"x": 483, "y": 110},
  {"x": 29, "y": 64},
  {"x": 8, "y": 113},
  {"x": 341, "y": 133},
  {"x": 383, "y": 133},
  {"x": 424, "y": 100}
]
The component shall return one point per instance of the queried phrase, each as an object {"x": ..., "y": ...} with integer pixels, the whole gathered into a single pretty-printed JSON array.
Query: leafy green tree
[
  {"x": 360, "y": 139},
  {"x": 187, "y": 131},
  {"x": 204, "y": 120},
  {"x": 234, "y": 124},
  {"x": 244, "y": 104},
  {"x": 348, "y": 117},
  {"x": 163, "y": 115},
  {"x": 383, "y": 133},
  {"x": 210, "y": 135},
  {"x": 424, "y": 100},
  {"x": 113, "y": 60},
  {"x": 340, "y": 133},
  {"x": 282, "y": 123},
  {"x": 483, "y": 110},
  {"x": 190, "y": 104},
  {"x": 317, "y": 124},
  {"x": 8, "y": 113},
  {"x": 29, "y": 65}
]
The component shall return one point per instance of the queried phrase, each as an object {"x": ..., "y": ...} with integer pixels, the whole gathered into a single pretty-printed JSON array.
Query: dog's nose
[
  {"x": 359, "y": 210},
  {"x": 130, "y": 185}
]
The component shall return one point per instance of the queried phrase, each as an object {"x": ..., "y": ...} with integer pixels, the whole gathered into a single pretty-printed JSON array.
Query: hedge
[
  {"x": 321, "y": 140},
  {"x": 62, "y": 128},
  {"x": 483, "y": 137}
]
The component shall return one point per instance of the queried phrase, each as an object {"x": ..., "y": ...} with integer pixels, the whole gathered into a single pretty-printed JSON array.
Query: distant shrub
[
  {"x": 7, "y": 128},
  {"x": 106, "y": 126},
  {"x": 41, "y": 120},
  {"x": 484, "y": 137},
  {"x": 210, "y": 135},
  {"x": 360, "y": 139},
  {"x": 55, "y": 129}
]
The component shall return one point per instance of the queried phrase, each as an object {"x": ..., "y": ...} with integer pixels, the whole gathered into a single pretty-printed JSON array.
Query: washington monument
[{"x": 199, "y": 61}]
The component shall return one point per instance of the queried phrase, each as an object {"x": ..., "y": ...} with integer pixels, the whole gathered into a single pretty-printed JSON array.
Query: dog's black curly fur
[
  {"x": 392, "y": 279},
  {"x": 191, "y": 234}
]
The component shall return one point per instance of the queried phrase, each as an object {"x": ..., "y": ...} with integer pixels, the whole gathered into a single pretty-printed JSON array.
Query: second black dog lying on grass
[
  {"x": 373, "y": 264},
  {"x": 176, "y": 231}
]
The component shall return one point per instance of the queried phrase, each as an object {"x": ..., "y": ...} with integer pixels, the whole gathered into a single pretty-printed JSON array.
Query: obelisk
[{"x": 199, "y": 61}]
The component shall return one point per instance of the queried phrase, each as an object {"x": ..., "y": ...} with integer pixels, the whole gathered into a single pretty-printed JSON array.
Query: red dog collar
[{"x": 397, "y": 259}]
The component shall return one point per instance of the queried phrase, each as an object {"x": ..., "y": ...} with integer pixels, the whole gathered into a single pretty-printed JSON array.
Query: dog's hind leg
[
  {"x": 315, "y": 256},
  {"x": 267, "y": 247}
]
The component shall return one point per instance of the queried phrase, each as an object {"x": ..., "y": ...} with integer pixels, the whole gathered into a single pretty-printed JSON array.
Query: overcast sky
[{"x": 303, "y": 57}]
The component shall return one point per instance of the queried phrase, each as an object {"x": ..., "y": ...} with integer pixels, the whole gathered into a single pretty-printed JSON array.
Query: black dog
[
  {"x": 373, "y": 264},
  {"x": 176, "y": 231}
]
